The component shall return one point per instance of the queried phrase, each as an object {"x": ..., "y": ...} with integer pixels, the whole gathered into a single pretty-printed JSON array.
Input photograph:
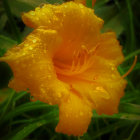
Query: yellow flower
[{"x": 67, "y": 61}]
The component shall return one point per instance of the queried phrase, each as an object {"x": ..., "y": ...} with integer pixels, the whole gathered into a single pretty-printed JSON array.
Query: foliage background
[{"x": 21, "y": 119}]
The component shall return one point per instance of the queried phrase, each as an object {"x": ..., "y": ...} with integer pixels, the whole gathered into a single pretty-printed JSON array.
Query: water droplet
[
  {"x": 37, "y": 18},
  {"x": 45, "y": 51},
  {"x": 113, "y": 76},
  {"x": 98, "y": 88},
  {"x": 26, "y": 45},
  {"x": 113, "y": 68},
  {"x": 42, "y": 90},
  {"x": 49, "y": 68},
  {"x": 23, "y": 53},
  {"x": 34, "y": 40},
  {"x": 49, "y": 76},
  {"x": 90, "y": 114},
  {"x": 30, "y": 48},
  {"x": 49, "y": 21},
  {"x": 59, "y": 95}
]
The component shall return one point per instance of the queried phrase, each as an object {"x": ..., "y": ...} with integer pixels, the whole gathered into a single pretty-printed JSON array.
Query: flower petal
[
  {"x": 101, "y": 85},
  {"x": 74, "y": 116},
  {"x": 77, "y": 24},
  {"x": 110, "y": 49},
  {"x": 107, "y": 76},
  {"x": 104, "y": 99},
  {"x": 33, "y": 68}
]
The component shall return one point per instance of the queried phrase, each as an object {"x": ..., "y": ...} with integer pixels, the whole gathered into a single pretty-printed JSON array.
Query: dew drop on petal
[
  {"x": 30, "y": 48},
  {"x": 49, "y": 76},
  {"x": 59, "y": 95},
  {"x": 112, "y": 68},
  {"x": 26, "y": 45},
  {"x": 34, "y": 40},
  {"x": 113, "y": 76},
  {"x": 37, "y": 18}
]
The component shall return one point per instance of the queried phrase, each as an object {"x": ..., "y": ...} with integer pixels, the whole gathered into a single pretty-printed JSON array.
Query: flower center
[{"x": 81, "y": 61}]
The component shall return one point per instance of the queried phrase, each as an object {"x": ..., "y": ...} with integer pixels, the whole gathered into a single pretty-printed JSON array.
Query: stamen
[
  {"x": 131, "y": 68},
  {"x": 81, "y": 61}
]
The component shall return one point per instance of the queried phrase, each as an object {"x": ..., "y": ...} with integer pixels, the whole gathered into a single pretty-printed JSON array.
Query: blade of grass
[
  {"x": 89, "y": 3},
  {"x": 129, "y": 108},
  {"x": 6, "y": 107},
  {"x": 28, "y": 129},
  {"x": 12, "y": 23},
  {"x": 132, "y": 54},
  {"x": 20, "y": 95},
  {"x": 132, "y": 32},
  {"x": 6, "y": 43},
  {"x": 110, "y": 128},
  {"x": 134, "y": 129},
  {"x": 122, "y": 116},
  {"x": 23, "y": 121},
  {"x": 25, "y": 108}
]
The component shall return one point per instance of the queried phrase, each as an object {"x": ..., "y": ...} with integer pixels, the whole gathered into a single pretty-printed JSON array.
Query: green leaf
[
  {"x": 5, "y": 43},
  {"x": 114, "y": 24},
  {"x": 4, "y": 93},
  {"x": 110, "y": 128},
  {"x": 25, "y": 108},
  {"x": 20, "y": 6},
  {"x": 106, "y": 12},
  {"x": 129, "y": 108},
  {"x": 112, "y": 20},
  {"x": 7, "y": 105},
  {"x": 3, "y": 20},
  {"x": 23, "y": 133},
  {"x": 89, "y": 3},
  {"x": 123, "y": 116},
  {"x": 55, "y": 1},
  {"x": 100, "y": 3},
  {"x": 127, "y": 111},
  {"x": 20, "y": 95}
]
